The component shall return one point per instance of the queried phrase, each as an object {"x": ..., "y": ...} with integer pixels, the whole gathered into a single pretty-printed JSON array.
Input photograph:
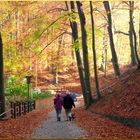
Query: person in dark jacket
[{"x": 68, "y": 103}]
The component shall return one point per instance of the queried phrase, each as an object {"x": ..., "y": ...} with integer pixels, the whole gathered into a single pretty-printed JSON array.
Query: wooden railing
[{"x": 21, "y": 108}]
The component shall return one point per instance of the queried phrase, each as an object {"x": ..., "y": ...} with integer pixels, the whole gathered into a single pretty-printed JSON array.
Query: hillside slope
[{"x": 117, "y": 114}]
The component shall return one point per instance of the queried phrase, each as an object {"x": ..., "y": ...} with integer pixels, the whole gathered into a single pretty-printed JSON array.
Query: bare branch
[
  {"x": 51, "y": 24},
  {"x": 116, "y": 6},
  {"x": 101, "y": 14},
  {"x": 56, "y": 10},
  {"x": 120, "y": 32},
  {"x": 126, "y": 3},
  {"x": 52, "y": 42}
]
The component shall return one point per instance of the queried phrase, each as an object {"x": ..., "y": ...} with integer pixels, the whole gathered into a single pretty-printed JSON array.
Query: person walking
[
  {"x": 58, "y": 103},
  {"x": 68, "y": 104}
]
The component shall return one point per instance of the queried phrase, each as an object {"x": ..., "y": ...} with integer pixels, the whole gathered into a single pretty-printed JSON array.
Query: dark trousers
[
  {"x": 58, "y": 114},
  {"x": 68, "y": 113}
]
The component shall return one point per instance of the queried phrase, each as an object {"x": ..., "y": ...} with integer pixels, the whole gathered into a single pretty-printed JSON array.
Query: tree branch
[
  {"x": 101, "y": 14},
  {"x": 120, "y": 32},
  {"x": 56, "y": 10},
  {"x": 51, "y": 42}
]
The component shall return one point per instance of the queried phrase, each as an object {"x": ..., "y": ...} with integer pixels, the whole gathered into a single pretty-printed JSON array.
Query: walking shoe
[
  {"x": 59, "y": 119},
  {"x": 70, "y": 118}
]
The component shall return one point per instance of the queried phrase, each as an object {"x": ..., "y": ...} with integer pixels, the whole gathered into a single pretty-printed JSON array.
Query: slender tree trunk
[
  {"x": 74, "y": 28},
  {"x": 17, "y": 24},
  {"x": 57, "y": 63},
  {"x": 72, "y": 49},
  {"x": 85, "y": 52},
  {"x": 94, "y": 52},
  {"x": 2, "y": 94},
  {"x": 139, "y": 43},
  {"x": 135, "y": 45},
  {"x": 72, "y": 53},
  {"x": 133, "y": 58},
  {"x": 134, "y": 36},
  {"x": 56, "y": 75},
  {"x": 112, "y": 46},
  {"x": 36, "y": 73}
]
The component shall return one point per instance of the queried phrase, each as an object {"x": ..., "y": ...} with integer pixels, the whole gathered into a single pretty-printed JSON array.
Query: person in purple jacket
[{"x": 58, "y": 103}]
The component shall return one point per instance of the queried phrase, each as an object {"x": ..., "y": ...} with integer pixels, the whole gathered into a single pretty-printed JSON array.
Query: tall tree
[
  {"x": 94, "y": 52},
  {"x": 74, "y": 28},
  {"x": 139, "y": 44},
  {"x": 2, "y": 95},
  {"x": 132, "y": 38},
  {"x": 135, "y": 48},
  {"x": 57, "y": 65},
  {"x": 85, "y": 52},
  {"x": 112, "y": 46}
]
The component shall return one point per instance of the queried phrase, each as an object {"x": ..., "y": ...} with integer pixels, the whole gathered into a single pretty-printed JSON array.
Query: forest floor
[
  {"x": 21, "y": 126},
  {"x": 115, "y": 115}
]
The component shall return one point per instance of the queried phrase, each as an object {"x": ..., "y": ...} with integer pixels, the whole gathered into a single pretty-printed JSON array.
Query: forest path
[{"x": 50, "y": 128}]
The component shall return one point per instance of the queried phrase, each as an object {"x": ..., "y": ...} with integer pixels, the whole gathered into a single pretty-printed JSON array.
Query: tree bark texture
[
  {"x": 94, "y": 52},
  {"x": 2, "y": 94},
  {"x": 85, "y": 52},
  {"x": 112, "y": 46},
  {"x": 74, "y": 28},
  {"x": 139, "y": 43},
  {"x": 131, "y": 38}
]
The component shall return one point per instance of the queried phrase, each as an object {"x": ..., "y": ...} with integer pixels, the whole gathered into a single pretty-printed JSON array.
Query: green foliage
[
  {"x": 16, "y": 87},
  {"x": 13, "y": 60},
  {"x": 76, "y": 45},
  {"x": 37, "y": 49},
  {"x": 5, "y": 9},
  {"x": 40, "y": 26},
  {"x": 73, "y": 16},
  {"x": 17, "y": 90},
  {"x": 41, "y": 95}
]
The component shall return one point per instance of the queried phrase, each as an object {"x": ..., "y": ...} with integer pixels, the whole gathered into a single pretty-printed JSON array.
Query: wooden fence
[{"x": 21, "y": 108}]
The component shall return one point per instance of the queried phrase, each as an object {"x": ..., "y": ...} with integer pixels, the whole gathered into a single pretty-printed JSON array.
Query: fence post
[
  {"x": 19, "y": 108},
  {"x": 22, "y": 108},
  {"x": 34, "y": 105},
  {"x": 14, "y": 107},
  {"x": 28, "y": 106}
]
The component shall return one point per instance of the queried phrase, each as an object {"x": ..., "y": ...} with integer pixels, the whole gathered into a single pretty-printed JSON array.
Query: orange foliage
[{"x": 117, "y": 114}]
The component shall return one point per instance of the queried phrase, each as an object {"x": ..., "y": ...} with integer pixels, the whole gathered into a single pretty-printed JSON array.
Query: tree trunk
[
  {"x": 136, "y": 57},
  {"x": 74, "y": 28},
  {"x": 85, "y": 53},
  {"x": 2, "y": 94},
  {"x": 135, "y": 46},
  {"x": 56, "y": 75},
  {"x": 139, "y": 43},
  {"x": 17, "y": 25},
  {"x": 94, "y": 52},
  {"x": 60, "y": 39},
  {"x": 36, "y": 73},
  {"x": 133, "y": 58},
  {"x": 112, "y": 46}
]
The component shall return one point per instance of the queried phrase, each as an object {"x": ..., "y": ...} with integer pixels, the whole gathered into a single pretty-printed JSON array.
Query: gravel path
[{"x": 50, "y": 128}]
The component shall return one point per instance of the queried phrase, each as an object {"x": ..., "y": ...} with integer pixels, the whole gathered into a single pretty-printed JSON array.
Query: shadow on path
[{"x": 130, "y": 122}]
